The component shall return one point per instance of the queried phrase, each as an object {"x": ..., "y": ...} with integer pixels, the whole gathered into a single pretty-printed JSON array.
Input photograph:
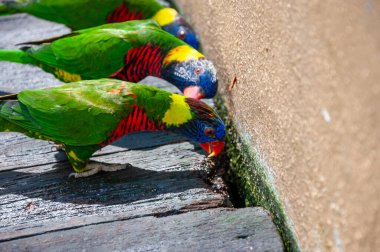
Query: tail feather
[
  {"x": 17, "y": 56},
  {"x": 11, "y": 118},
  {"x": 8, "y": 7},
  {"x": 4, "y": 9},
  {"x": 5, "y": 124}
]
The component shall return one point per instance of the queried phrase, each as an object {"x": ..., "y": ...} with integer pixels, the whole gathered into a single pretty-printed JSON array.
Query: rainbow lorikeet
[
  {"x": 80, "y": 14},
  {"x": 128, "y": 51},
  {"x": 88, "y": 115}
]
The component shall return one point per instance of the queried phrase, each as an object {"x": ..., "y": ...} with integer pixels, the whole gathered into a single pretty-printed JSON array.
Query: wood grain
[{"x": 209, "y": 230}]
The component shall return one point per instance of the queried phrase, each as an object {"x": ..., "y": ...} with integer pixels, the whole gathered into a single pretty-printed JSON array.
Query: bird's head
[
  {"x": 173, "y": 23},
  {"x": 191, "y": 72},
  {"x": 197, "y": 121}
]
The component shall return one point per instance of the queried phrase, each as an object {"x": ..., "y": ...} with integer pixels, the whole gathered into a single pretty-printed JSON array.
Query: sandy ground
[{"x": 308, "y": 97}]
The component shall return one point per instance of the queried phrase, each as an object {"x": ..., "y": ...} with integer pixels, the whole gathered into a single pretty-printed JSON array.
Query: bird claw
[
  {"x": 73, "y": 175},
  {"x": 93, "y": 168},
  {"x": 57, "y": 147}
]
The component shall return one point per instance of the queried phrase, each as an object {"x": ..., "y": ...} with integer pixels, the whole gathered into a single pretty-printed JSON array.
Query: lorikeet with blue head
[
  {"x": 88, "y": 115},
  {"x": 127, "y": 51},
  {"x": 80, "y": 14}
]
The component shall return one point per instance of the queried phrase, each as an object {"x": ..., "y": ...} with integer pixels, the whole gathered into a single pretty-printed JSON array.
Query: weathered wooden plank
[
  {"x": 18, "y": 151},
  {"x": 163, "y": 179},
  {"x": 249, "y": 229},
  {"x": 20, "y": 28}
]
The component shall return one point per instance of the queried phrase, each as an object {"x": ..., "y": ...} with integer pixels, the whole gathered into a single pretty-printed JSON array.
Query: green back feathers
[
  {"x": 79, "y": 14},
  {"x": 126, "y": 26}
]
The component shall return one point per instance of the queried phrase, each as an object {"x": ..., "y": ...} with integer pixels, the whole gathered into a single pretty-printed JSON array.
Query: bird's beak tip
[
  {"x": 213, "y": 148},
  {"x": 194, "y": 92}
]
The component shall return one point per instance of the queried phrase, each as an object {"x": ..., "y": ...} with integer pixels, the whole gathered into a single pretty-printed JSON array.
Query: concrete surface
[{"x": 308, "y": 99}]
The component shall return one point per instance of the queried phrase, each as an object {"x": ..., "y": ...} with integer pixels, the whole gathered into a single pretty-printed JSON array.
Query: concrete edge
[{"x": 252, "y": 177}]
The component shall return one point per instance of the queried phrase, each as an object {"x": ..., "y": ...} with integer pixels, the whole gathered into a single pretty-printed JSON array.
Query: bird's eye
[
  {"x": 198, "y": 70},
  {"x": 181, "y": 34},
  {"x": 209, "y": 132}
]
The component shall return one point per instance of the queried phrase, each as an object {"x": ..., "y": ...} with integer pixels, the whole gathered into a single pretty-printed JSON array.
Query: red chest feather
[
  {"x": 136, "y": 121},
  {"x": 122, "y": 13},
  {"x": 140, "y": 63}
]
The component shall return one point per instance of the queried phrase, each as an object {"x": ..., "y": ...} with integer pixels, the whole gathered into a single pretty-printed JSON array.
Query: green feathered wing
[
  {"x": 102, "y": 55},
  {"x": 78, "y": 14},
  {"x": 68, "y": 114}
]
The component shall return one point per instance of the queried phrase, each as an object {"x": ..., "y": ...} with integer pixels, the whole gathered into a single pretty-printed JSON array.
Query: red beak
[
  {"x": 213, "y": 148},
  {"x": 193, "y": 92}
]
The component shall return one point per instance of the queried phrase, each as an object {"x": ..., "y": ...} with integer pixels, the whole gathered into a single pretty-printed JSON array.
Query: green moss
[{"x": 250, "y": 175}]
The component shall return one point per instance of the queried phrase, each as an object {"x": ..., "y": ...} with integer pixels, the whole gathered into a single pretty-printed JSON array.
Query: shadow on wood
[{"x": 106, "y": 188}]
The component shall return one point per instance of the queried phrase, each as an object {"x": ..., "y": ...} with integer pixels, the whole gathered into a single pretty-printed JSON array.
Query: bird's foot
[
  {"x": 95, "y": 167},
  {"x": 57, "y": 147}
]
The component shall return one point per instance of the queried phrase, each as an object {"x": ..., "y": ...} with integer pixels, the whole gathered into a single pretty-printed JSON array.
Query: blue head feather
[
  {"x": 195, "y": 72},
  {"x": 182, "y": 30},
  {"x": 206, "y": 125}
]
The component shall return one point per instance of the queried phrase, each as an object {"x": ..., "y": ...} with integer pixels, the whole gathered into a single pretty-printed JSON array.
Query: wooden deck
[{"x": 161, "y": 202}]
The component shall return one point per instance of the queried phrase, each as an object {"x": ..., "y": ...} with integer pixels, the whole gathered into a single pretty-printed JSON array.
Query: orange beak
[
  {"x": 193, "y": 92},
  {"x": 213, "y": 148}
]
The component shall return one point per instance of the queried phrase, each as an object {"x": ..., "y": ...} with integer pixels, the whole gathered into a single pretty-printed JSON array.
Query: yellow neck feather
[
  {"x": 165, "y": 16},
  {"x": 179, "y": 111},
  {"x": 182, "y": 53}
]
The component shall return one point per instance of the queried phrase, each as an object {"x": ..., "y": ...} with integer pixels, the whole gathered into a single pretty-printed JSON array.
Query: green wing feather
[
  {"x": 78, "y": 14},
  {"x": 70, "y": 113},
  {"x": 82, "y": 54},
  {"x": 131, "y": 26}
]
